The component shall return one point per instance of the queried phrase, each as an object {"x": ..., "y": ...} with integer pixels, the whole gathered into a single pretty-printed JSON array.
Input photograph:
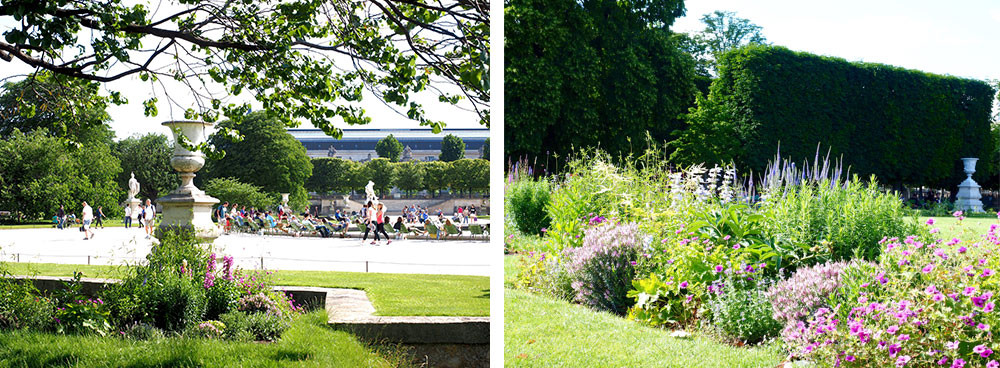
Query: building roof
[{"x": 365, "y": 139}]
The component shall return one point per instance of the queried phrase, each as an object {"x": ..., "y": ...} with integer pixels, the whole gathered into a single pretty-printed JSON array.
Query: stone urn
[
  {"x": 968, "y": 198},
  {"x": 187, "y": 206}
]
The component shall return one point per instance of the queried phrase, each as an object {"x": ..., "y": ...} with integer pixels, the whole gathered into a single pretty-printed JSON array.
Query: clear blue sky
[{"x": 960, "y": 38}]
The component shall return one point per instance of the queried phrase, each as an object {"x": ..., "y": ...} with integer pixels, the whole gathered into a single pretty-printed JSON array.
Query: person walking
[
  {"x": 379, "y": 221},
  {"x": 88, "y": 216},
  {"x": 366, "y": 218},
  {"x": 148, "y": 220},
  {"x": 62, "y": 217},
  {"x": 99, "y": 217},
  {"x": 128, "y": 217}
]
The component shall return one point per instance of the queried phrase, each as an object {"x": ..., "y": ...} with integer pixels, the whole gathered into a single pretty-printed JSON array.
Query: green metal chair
[{"x": 432, "y": 231}]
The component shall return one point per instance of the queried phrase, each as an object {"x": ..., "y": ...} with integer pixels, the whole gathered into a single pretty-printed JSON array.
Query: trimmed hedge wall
[{"x": 904, "y": 126}]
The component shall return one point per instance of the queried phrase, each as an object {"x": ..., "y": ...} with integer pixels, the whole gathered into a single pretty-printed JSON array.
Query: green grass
[
  {"x": 40, "y": 224},
  {"x": 968, "y": 228},
  {"x": 308, "y": 343},
  {"x": 391, "y": 294},
  {"x": 544, "y": 332}
]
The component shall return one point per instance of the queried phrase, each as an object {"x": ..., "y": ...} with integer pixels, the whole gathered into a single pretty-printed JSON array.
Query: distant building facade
[{"x": 359, "y": 144}]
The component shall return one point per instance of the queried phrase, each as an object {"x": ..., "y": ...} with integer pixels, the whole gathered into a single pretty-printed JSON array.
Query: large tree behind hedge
[
  {"x": 904, "y": 126},
  {"x": 39, "y": 172},
  {"x": 267, "y": 157},
  {"x": 593, "y": 73},
  {"x": 332, "y": 174},
  {"x": 148, "y": 156}
]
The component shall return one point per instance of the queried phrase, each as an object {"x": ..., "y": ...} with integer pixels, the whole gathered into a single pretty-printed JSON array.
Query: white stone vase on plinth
[
  {"x": 968, "y": 198},
  {"x": 187, "y": 206}
]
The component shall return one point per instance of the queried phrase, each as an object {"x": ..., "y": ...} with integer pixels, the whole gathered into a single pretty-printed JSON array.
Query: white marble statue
[
  {"x": 370, "y": 192},
  {"x": 133, "y": 187}
]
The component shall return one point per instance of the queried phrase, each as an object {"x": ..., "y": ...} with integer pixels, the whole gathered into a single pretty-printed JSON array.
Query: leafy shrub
[
  {"x": 175, "y": 303},
  {"x": 237, "y": 326},
  {"x": 823, "y": 218},
  {"x": 741, "y": 310},
  {"x": 232, "y": 190},
  {"x": 934, "y": 306},
  {"x": 546, "y": 274},
  {"x": 22, "y": 306},
  {"x": 662, "y": 302},
  {"x": 526, "y": 202},
  {"x": 253, "y": 326},
  {"x": 602, "y": 269}
]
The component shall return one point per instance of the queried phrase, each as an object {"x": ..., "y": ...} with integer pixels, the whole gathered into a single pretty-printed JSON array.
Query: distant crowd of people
[
  {"x": 372, "y": 220},
  {"x": 463, "y": 214}
]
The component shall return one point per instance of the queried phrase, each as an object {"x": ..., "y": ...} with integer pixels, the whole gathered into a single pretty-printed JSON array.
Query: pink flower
[
  {"x": 928, "y": 268},
  {"x": 983, "y": 326},
  {"x": 958, "y": 363},
  {"x": 736, "y": 246},
  {"x": 935, "y": 230},
  {"x": 951, "y": 345},
  {"x": 982, "y": 350},
  {"x": 989, "y": 307},
  {"x": 957, "y": 214},
  {"x": 719, "y": 268},
  {"x": 726, "y": 237},
  {"x": 987, "y": 273},
  {"x": 930, "y": 221},
  {"x": 993, "y": 364},
  {"x": 684, "y": 285}
]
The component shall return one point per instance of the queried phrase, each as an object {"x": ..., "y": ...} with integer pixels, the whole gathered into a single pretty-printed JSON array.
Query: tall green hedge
[{"x": 904, "y": 126}]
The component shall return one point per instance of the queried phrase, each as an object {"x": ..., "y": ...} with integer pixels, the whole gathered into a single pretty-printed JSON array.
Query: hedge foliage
[{"x": 905, "y": 126}]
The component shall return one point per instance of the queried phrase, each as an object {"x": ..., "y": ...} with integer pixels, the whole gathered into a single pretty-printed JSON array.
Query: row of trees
[
  {"x": 344, "y": 176},
  {"x": 605, "y": 73},
  {"x": 452, "y": 148}
]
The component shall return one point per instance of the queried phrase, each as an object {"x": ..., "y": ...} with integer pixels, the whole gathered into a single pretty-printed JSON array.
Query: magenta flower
[
  {"x": 983, "y": 326},
  {"x": 931, "y": 290},
  {"x": 726, "y": 237},
  {"x": 935, "y": 230},
  {"x": 951, "y": 345},
  {"x": 930, "y": 221},
  {"x": 736, "y": 246},
  {"x": 894, "y": 349},
  {"x": 902, "y": 360},
  {"x": 849, "y": 358},
  {"x": 989, "y": 307},
  {"x": 903, "y": 337},
  {"x": 632, "y": 263},
  {"x": 962, "y": 249},
  {"x": 719, "y": 268},
  {"x": 987, "y": 273},
  {"x": 892, "y": 330},
  {"x": 684, "y": 285},
  {"x": 938, "y": 297},
  {"x": 928, "y": 268},
  {"x": 957, "y": 214},
  {"x": 958, "y": 363},
  {"x": 982, "y": 350},
  {"x": 943, "y": 361},
  {"x": 969, "y": 291},
  {"x": 993, "y": 364}
]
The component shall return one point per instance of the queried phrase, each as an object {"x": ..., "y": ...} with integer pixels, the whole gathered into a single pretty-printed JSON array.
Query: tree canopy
[
  {"x": 333, "y": 174},
  {"x": 67, "y": 108},
  {"x": 267, "y": 156},
  {"x": 147, "y": 156},
  {"x": 301, "y": 59},
  {"x": 723, "y": 31},
  {"x": 409, "y": 176},
  {"x": 389, "y": 148},
  {"x": 380, "y": 171},
  {"x": 39, "y": 172},
  {"x": 592, "y": 73},
  {"x": 452, "y": 148}
]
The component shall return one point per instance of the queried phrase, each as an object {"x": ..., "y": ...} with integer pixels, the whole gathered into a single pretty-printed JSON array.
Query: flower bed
[
  {"x": 181, "y": 290},
  {"x": 798, "y": 256}
]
